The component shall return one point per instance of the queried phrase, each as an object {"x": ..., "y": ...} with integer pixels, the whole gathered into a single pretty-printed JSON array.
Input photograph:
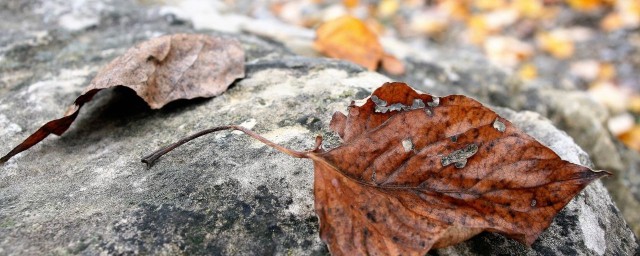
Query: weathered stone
[{"x": 87, "y": 193}]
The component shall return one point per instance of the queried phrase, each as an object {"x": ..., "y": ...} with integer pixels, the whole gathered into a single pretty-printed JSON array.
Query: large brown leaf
[
  {"x": 417, "y": 172},
  {"x": 160, "y": 70}
]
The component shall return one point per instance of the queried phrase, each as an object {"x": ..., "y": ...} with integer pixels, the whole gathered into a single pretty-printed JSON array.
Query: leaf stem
[{"x": 153, "y": 157}]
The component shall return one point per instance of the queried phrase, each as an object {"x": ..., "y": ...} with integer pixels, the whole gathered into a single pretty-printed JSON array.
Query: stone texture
[{"x": 87, "y": 193}]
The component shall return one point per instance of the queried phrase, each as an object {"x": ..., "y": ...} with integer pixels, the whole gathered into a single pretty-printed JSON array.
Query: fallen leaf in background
[
  {"x": 620, "y": 124},
  {"x": 612, "y": 96},
  {"x": 488, "y": 5},
  {"x": 607, "y": 72},
  {"x": 454, "y": 8},
  {"x": 586, "y": 5},
  {"x": 350, "y": 3},
  {"x": 585, "y": 69},
  {"x": 160, "y": 70},
  {"x": 430, "y": 23},
  {"x": 501, "y": 18},
  {"x": 611, "y": 22},
  {"x": 392, "y": 65},
  {"x": 477, "y": 30},
  {"x": 529, "y": 8},
  {"x": 387, "y": 8},
  {"x": 557, "y": 43},
  {"x": 634, "y": 104},
  {"x": 417, "y": 172},
  {"x": 507, "y": 51},
  {"x": 631, "y": 138},
  {"x": 629, "y": 11},
  {"x": 528, "y": 72},
  {"x": 350, "y": 39}
]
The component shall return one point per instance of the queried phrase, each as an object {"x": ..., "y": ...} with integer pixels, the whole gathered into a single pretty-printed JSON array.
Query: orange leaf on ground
[
  {"x": 631, "y": 138},
  {"x": 160, "y": 70},
  {"x": 350, "y": 39},
  {"x": 586, "y": 5},
  {"x": 350, "y": 3},
  {"x": 528, "y": 72}
]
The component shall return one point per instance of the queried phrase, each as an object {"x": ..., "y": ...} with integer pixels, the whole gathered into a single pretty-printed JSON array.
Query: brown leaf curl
[
  {"x": 160, "y": 70},
  {"x": 417, "y": 178}
]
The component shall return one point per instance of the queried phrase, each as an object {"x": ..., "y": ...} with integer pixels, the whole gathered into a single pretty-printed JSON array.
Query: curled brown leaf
[
  {"x": 412, "y": 179},
  {"x": 160, "y": 70}
]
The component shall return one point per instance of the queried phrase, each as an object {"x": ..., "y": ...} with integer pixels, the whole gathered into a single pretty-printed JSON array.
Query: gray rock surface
[{"x": 87, "y": 193}]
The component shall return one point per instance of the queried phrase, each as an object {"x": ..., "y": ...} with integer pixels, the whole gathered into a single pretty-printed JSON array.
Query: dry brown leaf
[
  {"x": 417, "y": 172},
  {"x": 350, "y": 39},
  {"x": 160, "y": 70},
  {"x": 417, "y": 178}
]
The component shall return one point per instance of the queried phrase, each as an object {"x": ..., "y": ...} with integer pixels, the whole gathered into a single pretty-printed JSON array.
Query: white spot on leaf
[
  {"x": 407, "y": 144},
  {"x": 435, "y": 102},
  {"x": 498, "y": 125}
]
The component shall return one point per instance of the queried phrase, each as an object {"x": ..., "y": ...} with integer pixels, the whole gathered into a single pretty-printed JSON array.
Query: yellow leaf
[
  {"x": 529, "y": 8},
  {"x": 557, "y": 43},
  {"x": 629, "y": 12},
  {"x": 350, "y": 39},
  {"x": 387, "y": 8},
  {"x": 631, "y": 138},
  {"x": 607, "y": 72},
  {"x": 477, "y": 30},
  {"x": 488, "y": 5},
  {"x": 528, "y": 72},
  {"x": 634, "y": 104}
]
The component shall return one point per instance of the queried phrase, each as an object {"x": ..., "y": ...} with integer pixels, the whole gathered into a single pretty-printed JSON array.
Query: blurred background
[{"x": 590, "y": 45}]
